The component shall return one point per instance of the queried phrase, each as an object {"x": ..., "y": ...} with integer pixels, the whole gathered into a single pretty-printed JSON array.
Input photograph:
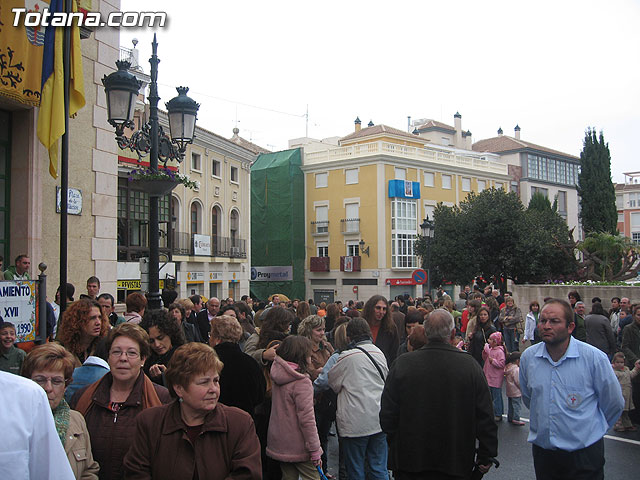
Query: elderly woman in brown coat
[
  {"x": 51, "y": 367},
  {"x": 195, "y": 437}
]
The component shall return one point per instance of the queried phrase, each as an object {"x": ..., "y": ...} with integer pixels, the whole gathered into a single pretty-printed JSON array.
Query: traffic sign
[{"x": 419, "y": 276}]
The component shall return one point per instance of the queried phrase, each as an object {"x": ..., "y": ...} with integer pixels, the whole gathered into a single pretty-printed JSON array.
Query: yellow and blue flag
[{"x": 51, "y": 115}]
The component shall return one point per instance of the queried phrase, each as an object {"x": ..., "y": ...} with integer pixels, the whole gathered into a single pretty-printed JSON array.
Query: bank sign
[
  {"x": 272, "y": 274},
  {"x": 18, "y": 306}
]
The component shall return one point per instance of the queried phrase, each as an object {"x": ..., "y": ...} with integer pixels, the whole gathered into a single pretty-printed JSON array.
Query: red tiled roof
[
  {"x": 378, "y": 130},
  {"x": 434, "y": 124},
  {"x": 505, "y": 143}
]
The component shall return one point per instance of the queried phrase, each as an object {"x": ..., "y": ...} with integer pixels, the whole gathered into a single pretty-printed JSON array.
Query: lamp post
[
  {"x": 121, "y": 88},
  {"x": 428, "y": 230}
]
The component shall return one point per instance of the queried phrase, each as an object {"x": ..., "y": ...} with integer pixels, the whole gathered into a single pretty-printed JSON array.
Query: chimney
[
  {"x": 409, "y": 124},
  {"x": 358, "y": 124},
  {"x": 457, "y": 122},
  {"x": 468, "y": 140},
  {"x": 370, "y": 124},
  {"x": 517, "y": 130},
  {"x": 500, "y": 131}
]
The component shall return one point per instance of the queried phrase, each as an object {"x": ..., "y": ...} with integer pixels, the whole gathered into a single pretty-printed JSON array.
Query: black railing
[
  {"x": 350, "y": 225},
  {"x": 320, "y": 227},
  {"x": 208, "y": 246}
]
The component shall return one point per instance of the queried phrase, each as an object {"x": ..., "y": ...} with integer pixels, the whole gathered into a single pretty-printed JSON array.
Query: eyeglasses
[
  {"x": 128, "y": 353},
  {"x": 55, "y": 381}
]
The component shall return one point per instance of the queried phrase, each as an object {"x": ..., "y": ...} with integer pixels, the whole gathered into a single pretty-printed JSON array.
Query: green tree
[
  {"x": 539, "y": 202},
  {"x": 608, "y": 257},
  {"x": 597, "y": 194},
  {"x": 491, "y": 235}
]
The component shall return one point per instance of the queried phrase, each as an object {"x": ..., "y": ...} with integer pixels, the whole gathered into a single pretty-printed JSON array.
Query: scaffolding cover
[{"x": 277, "y": 220}]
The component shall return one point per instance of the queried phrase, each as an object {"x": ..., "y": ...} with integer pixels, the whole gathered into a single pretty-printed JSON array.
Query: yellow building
[{"x": 366, "y": 196}]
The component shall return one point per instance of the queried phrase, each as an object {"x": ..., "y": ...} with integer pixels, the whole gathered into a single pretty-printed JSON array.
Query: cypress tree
[{"x": 597, "y": 194}]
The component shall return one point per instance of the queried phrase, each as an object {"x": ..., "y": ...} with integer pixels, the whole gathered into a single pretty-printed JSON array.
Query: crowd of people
[{"x": 210, "y": 388}]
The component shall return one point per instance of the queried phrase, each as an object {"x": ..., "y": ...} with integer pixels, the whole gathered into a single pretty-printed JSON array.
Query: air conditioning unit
[{"x": 235, "y": 251}]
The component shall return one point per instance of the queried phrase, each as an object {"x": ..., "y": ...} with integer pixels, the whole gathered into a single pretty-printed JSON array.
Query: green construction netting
[{"x": 277, "y": 220}]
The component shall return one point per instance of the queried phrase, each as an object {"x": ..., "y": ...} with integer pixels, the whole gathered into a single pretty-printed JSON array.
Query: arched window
[
  {"x": 175, "y": 214},
  {"x": 234, "y": 224},
  {"x": 216, "y": 220},
  {"x": 196, "y": 218}
]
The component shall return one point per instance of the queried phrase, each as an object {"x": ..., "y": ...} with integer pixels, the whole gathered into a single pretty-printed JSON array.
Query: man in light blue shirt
[{"x": 573, "y": 395}]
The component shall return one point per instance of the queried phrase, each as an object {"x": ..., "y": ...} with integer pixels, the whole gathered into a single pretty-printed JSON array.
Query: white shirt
[{"x": 32, "y": 449}]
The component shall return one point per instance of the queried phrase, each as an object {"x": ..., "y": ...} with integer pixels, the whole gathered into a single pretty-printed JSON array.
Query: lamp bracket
[{"x": 140, "y": 143}]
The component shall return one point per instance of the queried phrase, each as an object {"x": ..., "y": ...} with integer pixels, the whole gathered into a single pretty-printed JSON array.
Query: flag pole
[{"x": 64, "y": 163}]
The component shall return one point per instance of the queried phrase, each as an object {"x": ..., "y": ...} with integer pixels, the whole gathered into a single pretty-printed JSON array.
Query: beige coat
[{"x": 78, "y": 449}]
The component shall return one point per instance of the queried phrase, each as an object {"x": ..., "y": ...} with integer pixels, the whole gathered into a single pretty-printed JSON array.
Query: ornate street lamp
[
  {"x": 428, "y": 230},
  {"x": 121, "y": 89}
]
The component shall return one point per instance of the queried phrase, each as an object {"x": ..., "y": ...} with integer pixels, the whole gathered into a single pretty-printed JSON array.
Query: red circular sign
[{"x": 355, "y": 289}]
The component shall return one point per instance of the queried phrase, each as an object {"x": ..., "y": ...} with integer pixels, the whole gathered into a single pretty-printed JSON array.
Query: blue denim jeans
[
  {"x": 510, "y": 339},
  {"x": 372, "y": 448},
  {"x": 498, "y": 406},
  {"x": 513, "y": 410}
]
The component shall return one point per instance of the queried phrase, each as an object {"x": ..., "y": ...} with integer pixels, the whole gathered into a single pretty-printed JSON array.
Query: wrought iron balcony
[
  {"x": 350, "y": 225},
  {"x": 320, "y": 227},
  {"x": 208, "y": 246}
]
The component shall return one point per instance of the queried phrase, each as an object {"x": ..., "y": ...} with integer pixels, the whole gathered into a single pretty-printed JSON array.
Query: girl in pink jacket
[
  {"x": 293, "y": 438},
  {"x": 514, "y": 394},
  {"x": 494, "y": 356}
]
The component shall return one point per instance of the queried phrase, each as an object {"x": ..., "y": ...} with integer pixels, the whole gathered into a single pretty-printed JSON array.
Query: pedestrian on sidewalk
[
  {"x": 514, "y": 395},
  {"x": 573, "y": 397},
  {"x": 494, "y": 356},
  {"x": 624, "y": 377}
]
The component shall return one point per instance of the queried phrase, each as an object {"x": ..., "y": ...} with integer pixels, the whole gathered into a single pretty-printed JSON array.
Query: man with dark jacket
[
  {"x": 445, "y": 383},
  {"x": 204, "y": 317}
]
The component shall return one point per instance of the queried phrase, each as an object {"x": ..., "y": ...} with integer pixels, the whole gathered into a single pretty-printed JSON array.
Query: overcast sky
[{"x": 553, "y": 67}]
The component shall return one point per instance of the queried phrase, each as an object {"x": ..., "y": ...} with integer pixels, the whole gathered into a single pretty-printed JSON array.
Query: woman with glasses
[
  {"x": 51, "y": 367},
  {"x": 111, "y": 405},
  {"x": 83, "y": 328}
]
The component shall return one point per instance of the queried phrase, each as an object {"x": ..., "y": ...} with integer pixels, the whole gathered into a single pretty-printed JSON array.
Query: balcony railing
[
  {"x": 320, "y": 227},
  {"x": 319, "y": 264},
  {"x": 350, "y": 225},
  {"x": 429, "y": 153},
  {"x": 208, "y": 246}
]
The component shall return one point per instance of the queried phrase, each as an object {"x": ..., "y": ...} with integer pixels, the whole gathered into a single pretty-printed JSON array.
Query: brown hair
[
  {"x": 303, "y": 310},
  {"x": 296, "y": 349},
  {"x": 226, "y": 329},
  {"x": 135, "y": 302},
  {"x": 418, "y": 338},
  {"x": 135, "y": 333},
  {"x": 368, "y": 312},
  {"x": 50, "y": 356},
  {"x": 568, "y": 311},
  {"x": 74, "y": 319},
  {"x": 187, "y": 362},
  {"x": 340, "y": 339}
]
